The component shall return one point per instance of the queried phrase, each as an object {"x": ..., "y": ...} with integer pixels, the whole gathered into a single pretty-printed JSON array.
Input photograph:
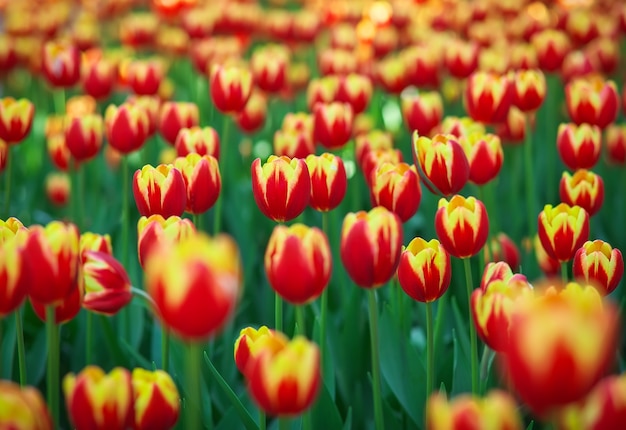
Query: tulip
[
  {"x": 356, "y": 90},
  {"x": 138, "y": 29},
  {"x": 212, "y": 274},
  {"x": 460, "y": 127},
  {"x": 375, "y": 139},
  {"x": 286, "y": 390},
  {"x": 83, "y": 136},
  {"x": 600, "y": 265},
  {"x": 269, "y": 67},
  {"x": 298, "y": 262},
  {"x": 16, "y": 119},
  {"x": 584, "y": 189},
  {"x": 156, "y": 400},
  {"x": 443, "y": 165},
  {"x": 529, "y": 89},
  {"x": 422, "y": 112},
  {"x": 552, "y": 46},
  {"x": 203, "y": 141},
  {"x": 462, "y": 225},
  {"x": 371, "y": 243},
  {"x": 23, "y": 408},
  {"x": 461, "y": 58},
  {"x": 424, "y": 270},
  {"x": 64, "y": 310},
  {"x": 488, "y": 97},
  {"x": 175, "y": 116},
  {"x": 579, "y": 145},
  {"x": 11, "y": 228},
  {"x": 203, "y": 182},
  {"x": 548, "y": 265},
  {"x": 231, "y": 87},
  {"x": 8, "y": 57},
  {"x": 58, "y": 188},
  {"x": 281, "y": 187},
  {"x": 98, "y": 76},
  {"x": 96, "y": 400},
  {"x": 422, "y": 66},
  {"x": 159, "y": 190},
  {"x": 396, "y": 187},
  {"x": 484, "y": 155},
  {"x": 337, "y": 62},
  {"x": 251, "y": 342},
  {"x": 593, "y": 101},
  {"x": 391, "y": 74},
  {"x": 145, "y": 76},
  {"x": 14, "y": 275},
  {"x": 573, "y": 334},
  {"x": 322, "y": 90},
  {"x": 513, "y": 129},
  {"x": 332, "y": 124},
  {"x": 107, "y": 286},
  {"x": 126, "y": 127},
  {"x": 253, "y": 115},
  {"x": 562, "y": 230},
  {"x": 293, "y": 143},
  {"x": 502, "y": 248},
  {"x": 60, "y": 63},
  {"x": 577, "y": 65},
  {"x": 497, "y": 410},
  {"x": 152, "y": 106},
  {"x": 615, "y": 137},
  {"x": 95, "y": 242},
  {"x": 328, "y": 181}
]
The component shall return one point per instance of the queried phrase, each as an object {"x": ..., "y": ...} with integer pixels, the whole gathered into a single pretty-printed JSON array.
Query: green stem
[
  {"x": 278, "y": 312},
  {"x": 226, "y": 173},
  {"x": 441, "y": 307},
  {"x": 262, "y": 420},
  {"x": 377, "y": 388},
  {"x": 7, "y": 192},
  {"x": 244, "y": 415},
  {"x": 530, "y": 182},
  {"x": 165, "y": 348},
  {"x": 193, "y": 404},
  {"x": 21, "y": 351},
  {"x": 473, "y": 341},
  {"x": 59, "y": 101},
  {"x": 141, "y": 293},
  {"x": 564, "y": 276},
  {"x": 89, "y": 339},
  {"x": 197, "y": 221},
  {"x": 300, "y": 321},
  {"x": 430, "y": 346},
  {"x": 52, "y": 384},
  {"x": 284, "y": 424}
]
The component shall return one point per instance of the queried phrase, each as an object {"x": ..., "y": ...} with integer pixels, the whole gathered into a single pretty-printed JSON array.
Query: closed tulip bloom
[
  {"x": 201, "y": 140},
  {"x": 159, "y": 190},
  {"x": 251, "y": 342},
  {"x": 328, "y": 181},
  {"x": 298, "y": 262},
  {"x": 152, "y": 107},
  {"x": 322, "y": 90},
  {"x": 286, "y": 382},
  {"x": 90, "y": 241},
  {"x": 202, "y": 181},
  {"x": 293, "y": 143},
  {"x": 424, "y": 270},
  {"x": 422, "y": 111},
  {"x": 496, "y": 411},
  {"x": 397, "y": 188},
  {"x": 579, "y": 145},
  {"x": 391, "y": 74},
  {"x": 175, "y": 116},
  {"x": 529, "y": 89},
  {"x": 269, "y": 67},
  {"x": 96, "y": 400},
  {"x": 83, "y": 136},
  {"x": 281, "y": 187},
  {"x": 552, "y": 46},
  {"x": 201, "y": 272},
  {"x": 98, "y": 76},
  {"x": 584, "y": 189},
  {"x": 231, "y": 87},
  {"x": 14, "y": 275},
  {"x": 615, "y": 137},
  {"x": 462, "y": 225},
  {"x": 252, "y": 117},
  {"x": 443, "y": 165},
  {"x": 58, "y": 151},
  {"x": 488, "y": 97},
  {"x": 155, "y": 231},
  {"x": 356, "y": 90},
  {"x": 600, "y": 265},
  {"x": 126, "y": 126},
  {"x": 375, "y": 139},
  {"x": 64, "y": 310},
  {"x": 371, "y": 243},
  {"x": 562, "y": 230},
  {"x": 502, "y": 248},
  {"x": 461, "y": 58},
  {"x": 23, "y": 408},
  {"x": 145, "y": 76},
  {"x": 107, "y": 286},
  {"x": 332, "y": 124},
  {"x": 60, "y": 63},
  {"x": 484, "y": 154},
  {"x": 593, "y": 101},
  {"x": 561, "y": 343},
  {"x": 16, "y": 119},
  {"x": 156, "y": 399},
  {"x": 53, "y": 253}
]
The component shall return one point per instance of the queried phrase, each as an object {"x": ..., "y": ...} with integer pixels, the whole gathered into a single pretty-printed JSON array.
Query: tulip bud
[
  {"x": 156, "y": 231},
  {"x": 600, "y": 265},
  {"x": 529, "y": 89},
  {"x": 152, "y": 106},
  {"x": 14, "y": 276},
  {"x": 332, "y": 124},
  {"x": 397, "y": 188},
  {"x": 139, "y": 29},
  {"x": 212, "y": 274},
  {"x": 356, "y": 90},
  {"x": 83, "y": 136},
  {"x": 281, "y": 187},
  {"x": 424, "y": 270},
  {"x": 251, "y": 342},
  {"x": 126, "y": 127},
  {"x": 423, "y": 66},
  {"x": 593, "y": 101},
  {"x": 372, "y": 140},
  {"x": 502, "y": 248},
  {"x": 96, "y": 400},
  {"x": 176, "y": 116},
  {"x": 422, "y": 112},
  {"x": 328, "y": 181},
  {"x": 323, "y": 90},
  {"x": 337, "y": 62},
  {"x": 98, "y": 77},
  {"x": 552, "y": 46},
  {"x": 159, "y": 190},
  {"x": 461, "y": 58},
  {"x": 391, "y": 74},
  {"x": 443, "y": 166},
  {"x": 203, "y": 182},
  {"x": 156, "y": 399},
  {"x": 462, "y": 225},
  {"x": 23, "y": 408},
  {"x": 269, "y": 67},
  {"x": 253, "y": 115},
  {"x": 231, "y": 87},
  {"x": 484, "y": 155},
  {"x": 107, "y": 286},
  {"x": 203, "y": 141},
  {"x": 304, "y": 248},
  {"x": 64, "y": 310},
  {"x": 615, "y": 137},
  {"x": 16, "y": 119},
  {"x": 488, "y": 97},
  {"x": 286, "y": 390},
  {"x": 145, "y": 76},
  {"x": 58, "y": 188},
  {"x": 371, "y": 243},
  {"x": 584, "y": 189},
  {"x": 60, "y": 63},
  {"x": 579, "y": 145},
  {"x": 562, "y": 230}
]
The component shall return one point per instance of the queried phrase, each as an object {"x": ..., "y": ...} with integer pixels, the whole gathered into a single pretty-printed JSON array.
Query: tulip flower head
[
  {"x": 155, "y": 231},
  {"x": 593, "y": 101},
  {"x": 584, "y": 189},
  {"x": 328, "y": 181},
  {"x": 23, "y": 408},
  {"x": 462, "y": 225},
  {"x": 251, "y": 342},
  {"x": 107, "y": 286},
  {"x": 203, "y": 181},
  {"x": 159, "y": 190},
  {"x": 562, "y": 230},
  {"x": 203, "y": 141},
  {"x": 16, "y": 119},
  {"x": 156, "y": 400},
  {"x": 397, "y": 188},
  {"x": 579, "y": 145},
  {"x": 598, "y": 264},
  {"x": 424, "y": 270}
]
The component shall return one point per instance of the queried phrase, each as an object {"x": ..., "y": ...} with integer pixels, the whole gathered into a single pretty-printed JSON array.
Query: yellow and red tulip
[
  {"x": 484, "y": 155},
  {"x": 488, "y": 97},
  {"x": 332, "y": 124},
  {"x": 152, "y": 107},
  {"x": 60, "y": 63},
  {"x": 461, "y": 58},
  {"x": 14, "y": 275},
  {"x": 285, "y": 382},
  {"x": 252, "y": 341},
  {"x": 423, "y": 66},
  {"x": 391, "y": 74},
  {"x": 337, "y": 62},
  {"x": 90, "y": 241},
  {"x": 23, "y": 408},
  {"x": 212, "y": 273},
  {"x": 203, "y": 141},
  {"x": 584, "y": 189},
  {"x": 513, "y": 129},
  {"x": 155, "y": 231},
  {"x": 615, "y": 137},
  {"x": 298, "y": 262},
  {"x": 126, "y": 126},
  {"x": 269, "y": 67},
  {"x": 16, "y": 119},
  {"x": 552, "y": 46},
  {"x": 356, "y": 90},
  {"x": 397, "y": 188},
  {"x": 422, "y": 111},
  {"x": 328, "y": 181},
  {"x": 156, "y": 400},
  {"x": 599, "y": 264},
  {"x": 159, "y": 190},
  {"x": 145, "y": 76},
  {"x": 253, "y": 115},
  {"x": 281, "y": 187},
  {"x": 83, "y": 136},
  {"x": 11, "y": 228},
  {"x": 107, "y": 286},
  {"x": 231, "y": 87},
  {"x": 293, "y": 143},
  {"x": 462, "y": 225},
  {"x": 372, "y": 140},
  {"x": 562, "y": 230},
  {"x": 98, "y": 401},
  {"x": 529, "y": 89},
  {"x": 371, "y": 243},
  {"x": 138, "y": 29},
  {"x": 592, "y": 100},
  {"x": 322, "y": 90},
  {"x": 175, "y": 116},
  {"x": 64, "y": 310},
  {"x": 98, "y": 75},
  {"x": 443, "y": 165},
  {"x": 581, "y": 25},
  {"x": 58, "y": 188},
  {"x": 579, "y": 145},
  {"x": 203, "y": 181},
  {"x": 502, "y": 248},
  {"x": 424, "y": 270}
]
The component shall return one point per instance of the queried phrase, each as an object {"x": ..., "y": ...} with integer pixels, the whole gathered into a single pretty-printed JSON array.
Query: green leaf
[
  {"x": 36, "y": 358},
  {"x": 531, "y": 425},
  {"x": 347, "y": 425},
  {"x": 461, "y": 382},
  {"x": 324, "y": 413},
  {"x": 8, "y": 347},
  {"x": 329, "y": 361}
]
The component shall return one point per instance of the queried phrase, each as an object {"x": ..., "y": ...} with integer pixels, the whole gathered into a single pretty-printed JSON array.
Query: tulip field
[{"x": 305, "y": 214}]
